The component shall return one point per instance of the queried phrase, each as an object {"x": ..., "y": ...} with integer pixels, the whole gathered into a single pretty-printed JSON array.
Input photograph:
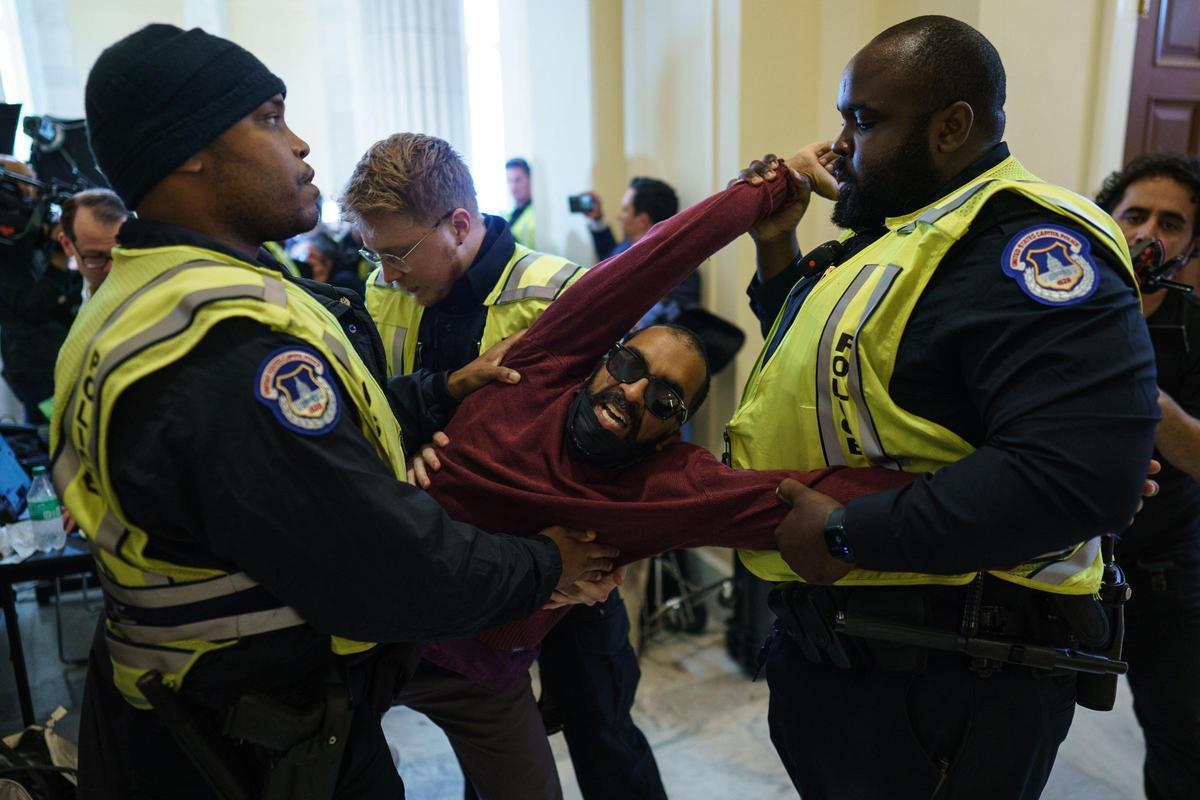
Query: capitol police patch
[
  {"x": 293, "y": 382},
  {"x": 1051, "y": 264}
]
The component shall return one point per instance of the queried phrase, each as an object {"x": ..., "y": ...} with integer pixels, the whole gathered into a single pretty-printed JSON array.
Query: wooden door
[{"x": 1164, "y": 101}]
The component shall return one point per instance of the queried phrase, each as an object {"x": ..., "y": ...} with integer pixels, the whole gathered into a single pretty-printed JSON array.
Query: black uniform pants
[
  {"x": 30, "y": 394},
  {"x": 590, "y": 670},
  {"x": 1162, "y": 645},
  {"x": 945, "y": 733}
]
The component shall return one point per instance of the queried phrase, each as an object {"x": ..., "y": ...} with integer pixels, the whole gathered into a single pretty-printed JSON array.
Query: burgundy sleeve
[
  {"x": 738, "y": 507},
  {"x": 608, "y": 301},
  {"x": 746, "y": 512}
]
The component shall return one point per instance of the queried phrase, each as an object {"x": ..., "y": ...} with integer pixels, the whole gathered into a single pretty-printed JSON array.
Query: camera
[
  {"x": 581, "y": 203},
  {"x": 64, "y": 163}
]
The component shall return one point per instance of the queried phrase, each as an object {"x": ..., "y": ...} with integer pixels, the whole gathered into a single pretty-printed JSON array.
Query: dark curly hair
[{"x": 1184, "y": 170}]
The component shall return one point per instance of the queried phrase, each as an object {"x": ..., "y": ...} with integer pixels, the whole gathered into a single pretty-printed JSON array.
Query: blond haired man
[{"x": 448, "y": 283}]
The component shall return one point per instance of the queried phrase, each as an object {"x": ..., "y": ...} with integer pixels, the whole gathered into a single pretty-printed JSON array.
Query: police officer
[
  {"x": 448, "y": 283},
  {"x": 223, "y": 436},
  {"x": 978, "y": 326},
  {"x": 521, "y": 221},
  {"x": 1155, "y": 197}
]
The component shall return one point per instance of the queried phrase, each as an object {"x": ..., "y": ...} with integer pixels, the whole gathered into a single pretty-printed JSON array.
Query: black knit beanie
[{"x": 159, "y": 96}]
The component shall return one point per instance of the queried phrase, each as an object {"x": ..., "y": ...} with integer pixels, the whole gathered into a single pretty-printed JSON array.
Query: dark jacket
[{"x": 37, "y": 306}]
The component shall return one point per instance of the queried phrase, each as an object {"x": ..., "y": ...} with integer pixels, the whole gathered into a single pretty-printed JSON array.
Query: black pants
[
  {"x": 945, "y": 733},
  {"x": 589, "y": 668},
  {"x": 30, "y": 394},
  {"x": 497, "y": 735},
  {"x": 1162, "y": 645},
  {"x": 125, "y": 754}
]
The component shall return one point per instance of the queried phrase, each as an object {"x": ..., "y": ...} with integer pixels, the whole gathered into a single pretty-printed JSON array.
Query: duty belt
[{"x": 889, "y": 629}]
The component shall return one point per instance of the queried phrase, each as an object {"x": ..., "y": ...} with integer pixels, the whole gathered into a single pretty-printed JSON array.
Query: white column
[{"x": 410, "y": 74}]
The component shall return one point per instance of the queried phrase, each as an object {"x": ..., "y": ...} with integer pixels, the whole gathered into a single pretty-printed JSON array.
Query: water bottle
[{"x": 45, "y": 512}]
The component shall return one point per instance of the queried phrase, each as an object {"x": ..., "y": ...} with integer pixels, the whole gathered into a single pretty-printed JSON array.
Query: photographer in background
[
  {"x": 1157, "y": 197},
  {"x": 90, "y": 220},
  {"x": 38, "y": 294},
  {"x": 647, "y": 201}
]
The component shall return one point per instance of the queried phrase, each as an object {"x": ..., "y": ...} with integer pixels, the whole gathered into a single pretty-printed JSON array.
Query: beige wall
[
  {"x": 599, "y": 90},
  {"x": 710, "y": 84}
]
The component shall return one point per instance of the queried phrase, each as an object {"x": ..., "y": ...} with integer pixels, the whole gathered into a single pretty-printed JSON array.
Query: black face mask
[{"x": 591, "y": 442}]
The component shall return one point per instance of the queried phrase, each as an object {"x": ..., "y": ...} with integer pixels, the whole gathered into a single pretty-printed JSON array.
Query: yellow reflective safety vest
[
  {"x": 524, "y": 228},
  {"x": 529, "y": 282},
  {"x": 280, "y": 254},
  {"x": 822, "y": 398},
  {"x": 159, "y": 304}
]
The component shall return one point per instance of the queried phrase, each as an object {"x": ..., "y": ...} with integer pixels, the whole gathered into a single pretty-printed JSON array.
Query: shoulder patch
[
  {"x": 1051, "y": 264},
  {"x": 294, "y": 383}
]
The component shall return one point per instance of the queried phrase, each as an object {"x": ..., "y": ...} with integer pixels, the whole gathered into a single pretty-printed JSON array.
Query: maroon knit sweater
[{"x": 507, "y": 467}]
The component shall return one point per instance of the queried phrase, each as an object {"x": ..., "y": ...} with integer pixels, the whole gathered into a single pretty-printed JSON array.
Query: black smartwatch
[{"x": 835, "y": 537}]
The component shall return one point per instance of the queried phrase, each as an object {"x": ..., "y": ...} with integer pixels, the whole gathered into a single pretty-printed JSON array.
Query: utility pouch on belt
[
  {"x": 303, "y": 746},
  {"x": 807, "y": 617}
]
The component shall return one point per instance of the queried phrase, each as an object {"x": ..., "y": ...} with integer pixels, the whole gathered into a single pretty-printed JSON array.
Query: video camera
[
  {"x": 64, "y": 163},
  {"x": 1154, "y": 272}
]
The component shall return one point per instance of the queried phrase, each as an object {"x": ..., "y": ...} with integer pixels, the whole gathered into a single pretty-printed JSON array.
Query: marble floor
[
  {"x": 706, "y": 721},
  {"x": 707, "y": 724}
]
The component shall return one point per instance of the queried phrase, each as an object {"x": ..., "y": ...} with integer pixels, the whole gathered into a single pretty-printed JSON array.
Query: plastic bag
[{"x": 38, "y": 764}]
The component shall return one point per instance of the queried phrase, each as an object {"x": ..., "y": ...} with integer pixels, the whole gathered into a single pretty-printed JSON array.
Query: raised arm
[{"x": 607, "y": 302}]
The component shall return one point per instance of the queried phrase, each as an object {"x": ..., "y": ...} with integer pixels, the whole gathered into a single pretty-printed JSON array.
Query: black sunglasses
[{"x": 662, "y": 400}]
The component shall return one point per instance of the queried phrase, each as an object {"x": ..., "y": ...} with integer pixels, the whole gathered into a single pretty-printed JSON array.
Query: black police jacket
[{"x": 319, "y": 521}]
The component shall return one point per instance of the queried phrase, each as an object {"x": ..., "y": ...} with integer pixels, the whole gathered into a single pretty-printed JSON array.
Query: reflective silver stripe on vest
[
  {"x": 111, "y": 531},
  {"x": 162, "y": 659},
  {"x": 867, "y": 433},
  {"x": 221, "y": 629},
  {"x": 1059, "y": 572},
  {"x": 829, "y": 433},
  {"x": 339, "y": 350},
  {"x": 69, "y": 413},
  {"x": 1065, "y": 206},
  {"x": 177, "y": 321},
  {"x": 179, "y": 593},
  {"x": 512, "y": 293},
  {"x": 518, "y": 272},
  {"x": 932, "y": 215},
  {"x": 399, "y": 335}
]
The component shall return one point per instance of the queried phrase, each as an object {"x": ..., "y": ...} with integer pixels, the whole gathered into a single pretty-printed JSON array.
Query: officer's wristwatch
[{"x": 835, "y": 537}]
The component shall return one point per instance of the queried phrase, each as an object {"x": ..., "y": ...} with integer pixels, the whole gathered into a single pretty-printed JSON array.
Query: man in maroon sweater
[{"x": 587, "y": 438}]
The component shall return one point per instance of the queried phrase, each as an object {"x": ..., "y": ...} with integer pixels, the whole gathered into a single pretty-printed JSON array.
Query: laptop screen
[{"x": 14, "y": 484}]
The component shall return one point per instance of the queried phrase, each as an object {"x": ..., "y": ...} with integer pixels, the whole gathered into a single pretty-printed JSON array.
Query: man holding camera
[
  {"x": 39, "y": 296},
  {"x": 645, "y": 203},
  {"x": 1156, "y": 197}
]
